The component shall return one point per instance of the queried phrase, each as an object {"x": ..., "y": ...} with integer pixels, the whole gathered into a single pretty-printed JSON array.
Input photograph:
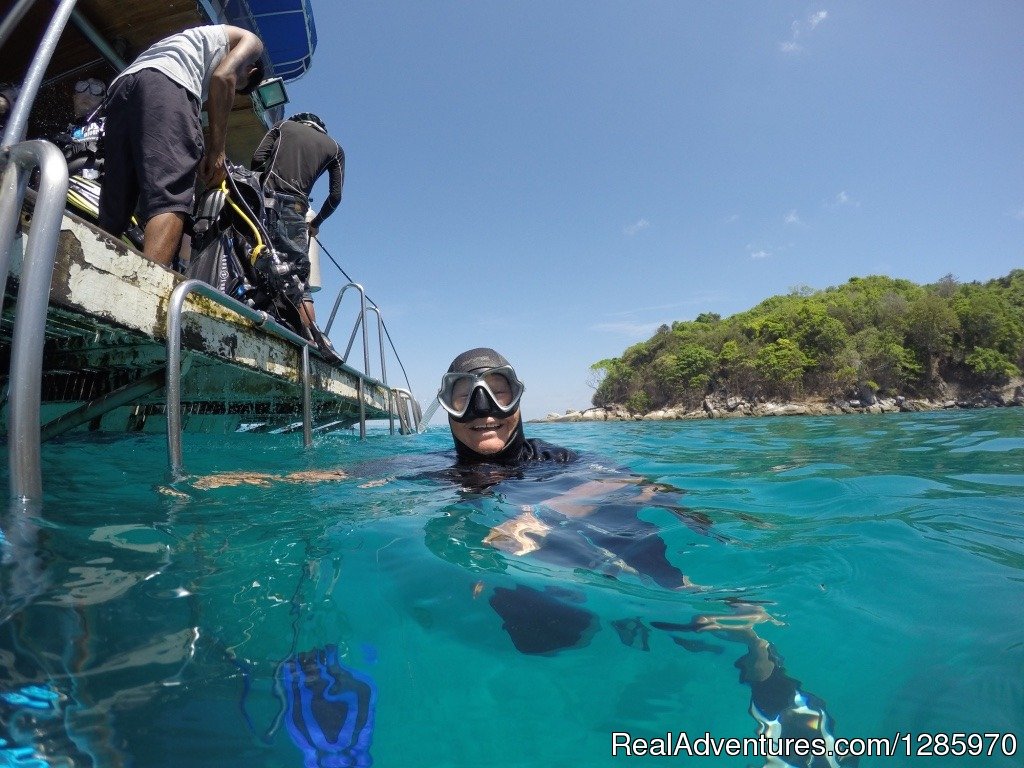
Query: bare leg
[{"x": 163, "y": 234}]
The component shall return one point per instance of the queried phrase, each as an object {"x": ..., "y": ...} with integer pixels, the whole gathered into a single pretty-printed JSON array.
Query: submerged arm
[{"x": 229, "y": 479}]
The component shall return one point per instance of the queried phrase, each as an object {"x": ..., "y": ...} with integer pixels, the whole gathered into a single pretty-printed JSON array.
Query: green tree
[
  {"x": 782, "y": 363},
  {"x": 932, "y": 323},
  {"x": 988, "y": 320},
  {"x": 886, "y": 361},
  {"x": 991, "y": 366},
  {"x": 639, "y": 403},
  {"x": 612, "y": 376},
  {"x": 696, "y": 365}
]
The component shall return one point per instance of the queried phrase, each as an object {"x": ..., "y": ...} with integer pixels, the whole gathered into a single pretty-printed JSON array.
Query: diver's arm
[
  {"x": 336, "y": 170},
  {"x": 519, "y": 535},
  {"x": 581, "y": 500},
  {"x": 244, "y": 49}
]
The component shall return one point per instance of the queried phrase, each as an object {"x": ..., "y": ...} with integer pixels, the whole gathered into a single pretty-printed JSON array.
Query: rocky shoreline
[{"x": 716, "y": 407}]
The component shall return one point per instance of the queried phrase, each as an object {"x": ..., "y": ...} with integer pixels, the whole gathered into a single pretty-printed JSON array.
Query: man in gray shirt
[{"x": 154, "y": 135}]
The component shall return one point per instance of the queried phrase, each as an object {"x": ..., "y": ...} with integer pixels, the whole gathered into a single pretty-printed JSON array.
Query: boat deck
[{"x": 106, "y": 329}]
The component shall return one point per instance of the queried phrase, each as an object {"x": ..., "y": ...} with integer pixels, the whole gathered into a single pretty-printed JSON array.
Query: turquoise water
[{"x": 146, "y": 625}]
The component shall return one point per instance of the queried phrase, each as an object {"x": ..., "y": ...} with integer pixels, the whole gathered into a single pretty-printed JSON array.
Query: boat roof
[{"x": 286, "y": 27}]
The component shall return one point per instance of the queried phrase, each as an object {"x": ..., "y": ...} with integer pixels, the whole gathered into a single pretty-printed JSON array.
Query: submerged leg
[
  {"x": 783, "y": 711},
  {"x": 542, "y": 623}
]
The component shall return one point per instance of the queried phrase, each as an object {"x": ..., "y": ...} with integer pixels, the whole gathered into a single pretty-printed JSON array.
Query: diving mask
[
  {"x": 93, "y": 85},
  {"x": 490, "y": 392}
]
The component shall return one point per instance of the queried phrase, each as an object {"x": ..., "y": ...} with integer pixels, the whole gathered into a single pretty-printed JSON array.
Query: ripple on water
[{"x": 888, "y": 554}]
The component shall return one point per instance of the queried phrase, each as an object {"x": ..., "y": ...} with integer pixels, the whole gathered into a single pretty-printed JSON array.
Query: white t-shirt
[{"x": 188, "y": 58}]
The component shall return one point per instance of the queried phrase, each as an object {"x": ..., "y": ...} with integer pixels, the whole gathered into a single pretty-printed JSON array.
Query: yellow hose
[{"x": 255, "y": 230}]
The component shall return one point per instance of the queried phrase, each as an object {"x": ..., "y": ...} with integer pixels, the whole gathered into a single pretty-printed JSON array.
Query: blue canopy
[{"x": 286, "y": 28}]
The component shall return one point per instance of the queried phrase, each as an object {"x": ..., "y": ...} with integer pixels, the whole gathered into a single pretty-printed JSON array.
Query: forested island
[{"x": 873, "y": 343}]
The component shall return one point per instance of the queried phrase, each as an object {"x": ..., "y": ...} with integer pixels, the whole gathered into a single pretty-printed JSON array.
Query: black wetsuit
[
  {"x": 292, "y": 156},
  {"x": 544, "y": 622}
]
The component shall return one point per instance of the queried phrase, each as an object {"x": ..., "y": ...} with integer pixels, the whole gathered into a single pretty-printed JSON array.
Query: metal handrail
[
  {"x": 23, "y": 435},
  {"x": 13, "y": 17},
  {"x": 367, "y": 299},
  {"x": 409, "y": 414},
  {"x": 18, "y": 124},
  {"x": 172, "y": 395},
  {"x": 383, "y": 366},
  {"x": 351, "y": 340}
]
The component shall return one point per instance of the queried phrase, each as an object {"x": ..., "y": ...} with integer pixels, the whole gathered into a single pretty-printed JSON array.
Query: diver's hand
[
  {"x": 519, "y": 535},
  {"x": 213, "y": 169}
]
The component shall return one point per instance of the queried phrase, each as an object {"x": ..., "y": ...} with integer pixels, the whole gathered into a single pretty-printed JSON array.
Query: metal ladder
[
  {"x": 18, "y": 160},
  {"x": 400, "y": 400}
]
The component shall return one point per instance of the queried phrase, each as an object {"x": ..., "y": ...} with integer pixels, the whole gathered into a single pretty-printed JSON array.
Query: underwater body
[{"x": 374, "y": 620}]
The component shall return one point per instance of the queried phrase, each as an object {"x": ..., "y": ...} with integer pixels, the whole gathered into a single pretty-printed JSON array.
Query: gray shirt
[{"x": 188, "y": 58}]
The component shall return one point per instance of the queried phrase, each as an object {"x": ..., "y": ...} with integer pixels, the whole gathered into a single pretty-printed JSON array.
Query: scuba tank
[
  {"x": 314, "y": 282},
  {"x": 231, "y": 251}
]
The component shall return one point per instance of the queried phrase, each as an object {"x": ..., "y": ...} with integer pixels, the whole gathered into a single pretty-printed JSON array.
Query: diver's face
[
  {"x": 487, "y": 434},
  {"x": 85, "y": 103}
]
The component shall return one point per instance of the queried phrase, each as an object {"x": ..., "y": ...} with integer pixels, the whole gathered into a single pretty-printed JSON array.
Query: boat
[{"x": 95, "y": 337}]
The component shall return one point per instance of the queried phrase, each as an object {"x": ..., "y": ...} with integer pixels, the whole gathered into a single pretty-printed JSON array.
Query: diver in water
[
  {"x": 481, "y": 394},
  {"x": 593, "y": 523}
]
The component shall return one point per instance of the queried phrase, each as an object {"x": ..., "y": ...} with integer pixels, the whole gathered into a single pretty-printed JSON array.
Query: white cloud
[
  {"x": 759, "y": 254},
  {"x": 841, "y": 200},
  {"x": 632, "y": 229},
  {"x": 792, "y": 217},
  {"x": 798, "y": 28},
  {"x": 731, "y": 218},
  {"x": 1019, "y": 215}
]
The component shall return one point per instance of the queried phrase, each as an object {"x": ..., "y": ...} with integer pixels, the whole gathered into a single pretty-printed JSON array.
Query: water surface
[{"x": 147, "y": 625}]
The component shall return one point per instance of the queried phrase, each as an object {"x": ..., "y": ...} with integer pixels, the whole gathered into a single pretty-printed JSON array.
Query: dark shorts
[
  {"x": 153, "y": 145},
  {"x": 289, "y": 234}
]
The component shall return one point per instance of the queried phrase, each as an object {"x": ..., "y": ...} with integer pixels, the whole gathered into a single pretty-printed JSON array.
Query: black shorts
[{"x": 153, "y": 145}]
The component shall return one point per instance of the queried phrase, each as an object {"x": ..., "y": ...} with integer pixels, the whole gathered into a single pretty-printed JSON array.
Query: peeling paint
[{"x": 109, "y": 313}]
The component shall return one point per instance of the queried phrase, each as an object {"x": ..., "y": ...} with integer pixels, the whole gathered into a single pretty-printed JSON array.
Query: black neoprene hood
[
  {"x": 477, "y": 360},
  {"x": 472, "y": 361}
]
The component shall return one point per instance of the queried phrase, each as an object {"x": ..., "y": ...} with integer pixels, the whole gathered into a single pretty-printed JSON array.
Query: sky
[{"x": 557, "y": 179}]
